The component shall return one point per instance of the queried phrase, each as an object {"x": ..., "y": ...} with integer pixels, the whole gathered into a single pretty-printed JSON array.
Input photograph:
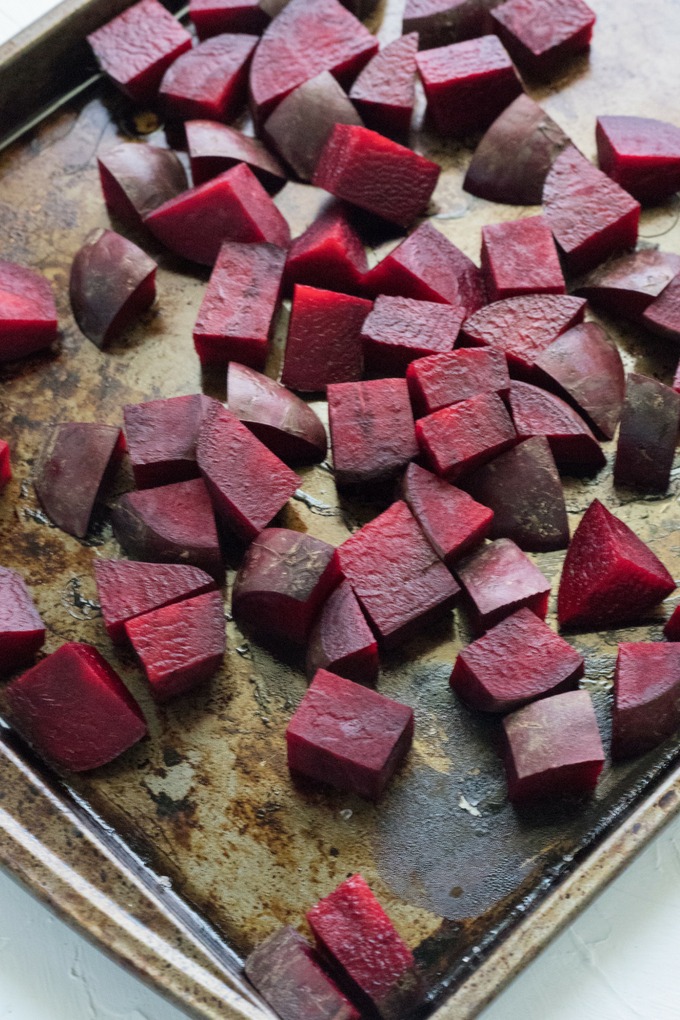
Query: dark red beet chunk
[
  {"x": 214, "y": 148},
  {"x": 136, "y": 179},
  {"x": 355, "y": 932},
  {"x": 136, "y": 47},
  {"x": 541, "y": 35},
  {"x": 28, "y": 314},
  {"x": 646, "y": 706},
  {"x": 161, "y": 438},
  {"x": 341, "y": 641},
  {"x": 453, "y": 522},
  {"x": 553, "y": 748},
  {"x": 627, "y": 284},
  {"x": 609, "y": 576},
  {"x": 5, "y": 465},
  {"x": 236, "y": 316},
  {"x": 329, "y": 255},
  {"x": 536, "y": 412},
  {"x": 648, "y": 434},
  {"x": 384, "y": 92},
  {"x": 590, "y": 216},
  {"x": 520, "y": 257},
  {"x": 640, "y": 154},
  {"x": 440, "y": 22},
  {"x": 662, "y": 316},
  {"x": 71, "y": 470},
  {"x": 396, "y": 575},
  {"x": 75, "y": 710},
  {"x": 324, "y": 339},
  {"x": 671, "y": 628},
  {"x": 372, "y": 430},
  {"x": 444, "y": 379},
  {"x": 22, "y": 632},
  {"x": 210, "y": 80},
  {"x": 376, "y": 174},
  {"x": 398, "y": 330},
  {"x": 499, "y": 579},
  {"x": 211, "y": 17},
  {"x": 460, "y": 437}
]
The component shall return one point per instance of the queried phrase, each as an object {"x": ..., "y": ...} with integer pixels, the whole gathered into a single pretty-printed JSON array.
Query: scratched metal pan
[{"x": 188, "y": 851}]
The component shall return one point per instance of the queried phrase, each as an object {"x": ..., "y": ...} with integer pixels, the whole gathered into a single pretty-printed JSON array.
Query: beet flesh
[
  {"x": 384, "y": 92},
  {"x": 662, "y": 316},
  {"x": 28, "y": 314},
  {"x": 341, "y": 640},
  {"x": 627, "y": 284},
  {"x": 22, "y": 632},
  {"x": 536, "y": 412},
  {"x": 212, "y": 17},
  {"x": 398, "y": 330},
  {"x": 136, "y": 179},
  {"x": 329, "y": 255},
  {"x": 520, "y": 257},
  {"x": 648, "y": 434},
  {"x": 459, "y": 438},
  {"x": 210, "y": 80},
  {"x": 161, "y": 438},
  {"x": 5, "y": 464},
  {"x": 671, "y": 628},
  {"x": 542, "y": 35},
  {"x": 646, "y": 696},
  {"x": 641, "y": 154},
  {"x": 500, "y": 579},
  {"x": 214, "y": 148},
  {"x": 442, "y": 379},
  {"x": 439, "y": 22}
]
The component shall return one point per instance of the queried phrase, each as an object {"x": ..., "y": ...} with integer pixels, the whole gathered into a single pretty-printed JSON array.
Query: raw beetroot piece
[
  {"x": 355, "y": 932},
  {"x": 161, "y": 438},
  {"x": 341, "y": 641},
  {"x": 28, "y": 314},
  {"x": 136, "y": 179},
  {"x": 348, "y": 736},
  {"x": 444, "y": 379},
  {"x": 590, "y": 216},
  {"x": 671, "y": 628},
  {"x": 212, "y": 17},
  {"x": 170, "y": 524},
  {"x": 329, "y": 255},
  {"x": 214, "y": 148},
  {"x": 180, "y": 645},
  {"x": 324, "y": 339},
  {"x": 396, "y": 575},
  {"x": 542, "y": 35},
  {"x": 646, "y": 706},
  {"x": 75, "y": 710},
  {"x": 135, "y": 48},
  {"x": 536, "y": 412},
  {"x": 520, "y": 257},
  {"x": 467, "y": 84},
  {"x": 523, "y": 488},
  {"x": 22, "y": 632},
  {"x": 209, "y": 81},
  {"x": 453, "y": 522},
  {"x": 282, "y": 583},
  {"x": 460, "y": 437},
  {"x": 231, "y": 207},
  {"x": 247, "y": 482},
  {"x": 376, "y": 174},
  {"x": 279, "y": 419},
  {"x": 5, "y": 464},
  {"x": 500, "y": 579},
  {"x": 439, "y": 22},
  {"x": 384, "y": 93},
  {"x": 648, "y": 434},
  {"x": 372, "y": 430},
  {"x": 609, "y": 576},
  {"x": 662, "y": 316},
  {"x": 641, "y": 154},
  {"x": 112, "y": 282},
  {"x": 236, "y": 317},
  {"x": 553, "y": 747},
  {"x": 398, "y": 330},
  {"x": 288, "y": 974},
  {"x": 517, "y": 661},
  {"x": 627, "y": 284},
  {"x": 76, "y": 460}
]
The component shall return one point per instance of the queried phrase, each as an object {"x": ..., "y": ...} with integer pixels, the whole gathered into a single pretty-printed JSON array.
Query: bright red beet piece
[
  {"x": 609, "y": 576},
  {"x": 5, "y": 464},
  {"x": 76, "y": 460},
  {"x": 453, "y": 522},
  {"x": 467, "y": 84},
  {"x": 341, "y": 640},
  {"x": 627, "y": 284},
  {"x": 28, "y": 314},
  {"x": 640, "y": 154},
  {"x": 135, "y": 48},
  {"x": 590, "y": 216},
  {"x": 136, "y": 179},
  {"x": 384, "y": 92},
  {"x": 553, "y": 748},
  {"x": 372, "y": 431},
  {"x": 500, "y": 579},
  {"x": 324, "y": 339},
  {"x": 329, "y": 255},
  {"x": 22, "y": 632},
  {"x": 355, "y": 932},
  {"x": 376, "y": 174},
  {"x": 212, "y": 17},
  {"x": 648, "y": 434},
  {"x": 398, "y": 330},
  {"x": 646, "y": 706},
  {"x": 540, "y": 35},
  {"x": 460, "y": 437},
  {"x": 210, "y": 80},
  {"x": 396, "y": 575},
  {"x": 214, "y": 148},
  {"x": 75, "y": 710},
  {"x": 662, "y": 316},
  {"x": 440, "y": 22},
  {"x": 520, "y": 257},
  {"x": 161, "y": 438},
  {"x": 232, "y": 207},
  {"x": 444, "y": 379},
  {"x": 236, "y": 317},
  {"x": 671, "y": 628},
  {"x": 536, "y": 412}
]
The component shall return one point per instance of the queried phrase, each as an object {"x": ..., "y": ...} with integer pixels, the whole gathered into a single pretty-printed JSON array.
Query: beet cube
[
  {"x": 135, "y": 48},
  {"x": 460, "y": 437},
  {"x": 211, "y": 17},
  {"x": 439, "y": 22},
  {"x": 384, "y": 93},
  {"x": 662, "y": 316},
  {"x": 5, "y": 464},
  {"x": 444, "y": 379},
  {"x": 640, "y": 154},
  {"x": 627, "y": 284},
  {"x": 671, "y": 628},
  {"x": 136, "y": 179},
  {"x": 329, "y": 255},
  {"x": 398, "y": 330},
  {"x": 28, "y": 314},
  {"x": 609, "y": 576},
  {"x": 646, "y": 706},
  {"x": 161, "y": 438},
  {"x": 214, "y": 148},
  {"x": 341, "y": 640},
  {"x": 453, "y": 522},
  {"x": 540, "y": 35},
  {"x": 520, "y": 257},
  {"x": 22, "y": 632},
  {"x": 536, "y": 412},
  {"x": 210, "y": 80},
  {"x": 648, "y": 434},
  {"x": 75, "y": 710},
  {"x": 553, "y": 748},
  {"x": 348, "y": 736},
  {"x": 500, "y": 579}
]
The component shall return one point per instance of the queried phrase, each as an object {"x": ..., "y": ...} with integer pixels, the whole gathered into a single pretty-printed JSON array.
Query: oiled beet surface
[
  {"x": 646, "y": 706},
  {"x": 161, "y": 438},
  {"x": 520, "y": 257},
  {"x": 499, "y": 579},
  {"x": 627, "y": 284},
  {"x": 398, "y": 330},
  {"x": 136, "y": 179},
  {"x": 329, "y": 255},
  {"x": 458, "y": 438},
  {"x": 341, "y": 640},
  {"x": 648, "y": 434},
  {"x": 541, "y": 35},
  {"x": 442, "y": 379},
  {"x": 214, "y": 148},
  {"x": 210, "y": 80},
  {"x": 384, "y": 92},
  {"x": 536, "y": 412},
  {"x": 28, "y": 314},
  {"x": 641, "y": 154},
  {"x": 22, "y": 632}
]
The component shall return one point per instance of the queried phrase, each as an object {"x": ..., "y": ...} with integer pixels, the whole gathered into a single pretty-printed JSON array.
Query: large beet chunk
[
  {"x": 662, "y": 316},
  {"x": 341, "y": 641},
  {"x": 646, "y": 696},
  {"x": 439, "y": 22},
  {"x": 329, "y": 255},
  {"x": 210, "y": 80},
  {"x": 648, "y": 434},
  {"x": 542, "y": 35},
  {"x": 211, "y": 17},
  {"x": 384, "y": 92},
  {"x": 459, "y": 438},
  {"x": 520, "y": 257},
  {"x": 536, "y": 412},
  {"x": 22, "y": 632},
  {"x": 641, "y": 154},
  {"x": 499, "y": 579},
  {"x": 28, "y": 314},
  {"x": 442, "y": 379},
  {"x": 136, "y": 179},
  {"x": 214, "y": 148},
  {"x": 398, "y": 330},
  {"x": 161, "y": 438},
  {"x": 627, "y": 284}
]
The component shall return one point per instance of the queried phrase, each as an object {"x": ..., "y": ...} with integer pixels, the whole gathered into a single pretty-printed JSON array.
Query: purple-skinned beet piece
[
  {"x": 341, "y": 640},
  {"x": 543, "y": 35},
  {"x": 214, "y": 148},
  {"x": 329, "y": 255},
  {"x": 440, "y": 22},
  {"x": 210, "y": 80},
  {"x": 536, "y": 412},
  {"x": 5, "y": 464},
  {"x": 28, "y": 314},
  {"x": 161, "y": 438},
  {"x": 212, "y": 17},
  {"x": 136, "y": 179},
  {"x": 399, "y": 330},
  {"x": 384, "y": 92},
  {"x": 500, "y": 579},
  {"x": 646, "y": 706},
  {"x": 641, "y": 154},
  {"x": 459, "y": 438},
  {"x": 627, "y": 284},
  {"x": 662, "y": 316},
  {"x": 648, "y": 434},
  {"x": 671, "y": 628},
  {"x": 520, "y": 257},
  {"x": 22, "y": 632},
  {"x": 442, "y": 379}
]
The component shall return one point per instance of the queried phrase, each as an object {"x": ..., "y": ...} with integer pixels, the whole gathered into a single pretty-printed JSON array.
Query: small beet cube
[
  {"x": 384, "y": 93},
  {"x": 536, "y": 412},
  {"x": 136, "y": 179},
  {"x": 398, "y": 330},
  {"x": 627, "y": 284},
  {"x": 646, "y": 696},
  {"x": 499, "y": 579},
  {"x": 460, "y": 437},
  {"x": 329, "y": 255},
  {"x": 671, "y": 628},
  {"x": 135, "y": 48},
  {"x": 28, "y": 314},
  {"x": 214, "y": 148},
  {"x": 609, "y": 576},
  {"x": 75, "y": 710},
  {"x": 210, "y": 80},
  {"x": 453, "y": 522},
  {"x": 553, "y": 748},
  {"x": 439, "y": 22},
  {"x": 212, "y": 17},
  {"x": 5, "y": 464},
  {"x": 648, "y": 434},
  {"x": 22, "y": 632},
  {"x": 444, "y": 379},
  {"x": 662, "y": 316},
  {"x": 161, "y": 438},
  {"x": 341, "y": 640},
  {"x": 540, "y": 35},
  {"x": 517, "y": 661},
  {"x": 520, "y": 257},
  {"x": 640, "y": 154},
  {"x": 348, "y": 736}
]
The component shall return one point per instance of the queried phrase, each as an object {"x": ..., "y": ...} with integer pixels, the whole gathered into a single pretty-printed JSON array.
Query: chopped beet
[
  {"x": 536, "y": 412},
  {"x": 236, "y": 317},
  {"x": 136, "y": 179},
  {"x": 209, "y": 81},
  {"x": 517, "y": 661},
  {"x": 444, "y": 379},
  {"x": 610, "y": 576},
  {"x": 324, "y": 339},
  {"x": 627, "y": 284},
  {"x": 279, "y": 419},
  {"x": 398, "y": 330},
  {"x": 440, "y": 22},
  {"x": 74, "y": 463},
  {"x": 247, "y": 482},
  {"x": 341, "y": 640},
  {"x": 214, "y": 148},
  {"x": 372, "y": 430},
  {"x": 662, "y": 316},
  {"x": 22, "y": 632},
  {"x": 640, "y": 154},
  {"x": 376, "y": 174},
  {"x": 161, "y": 438},
  {"x": 396, "y": 574},
  {"x": 170, "y": 524},
  {"x": 136, "y": 47},
  {"x": 384, "y": 92},
  {"x": 348, "y": 736},
  {"x": 590, "y": 216},
  {"x": 28, "y": 314},
  {"x": 75, "y": 710},
  {"x": 646, "y": 706},
  {"x": 112, "y": 282},
  {"x": 648, "y": 434},
  {"x": 553, "y": 748},
  {"x": 542, "y": 35},
  {"x": 211, "y": 17},
  {"x": 460, "y": 437},
  {"x": 499, "y": 579},
  {"x": 520, "y": 257},
  {"x": 5, "y": 464},
  {"x": 671, "y": 628},
  {"x": 282, "y": 583},
  {"x": 329, "y": 255},
  {"x": 231, "y": 207}
]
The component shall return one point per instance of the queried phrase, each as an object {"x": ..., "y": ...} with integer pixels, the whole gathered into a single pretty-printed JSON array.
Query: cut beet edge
[
  {"x": 500, "y": 579},
  {"x": 22, "y": 632},
  {"x": 161, "y": 438},
  {"x": 341, "y": 640},
  {"x": 646, "y": 697},
  {"x": 28, "y": 314}
]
